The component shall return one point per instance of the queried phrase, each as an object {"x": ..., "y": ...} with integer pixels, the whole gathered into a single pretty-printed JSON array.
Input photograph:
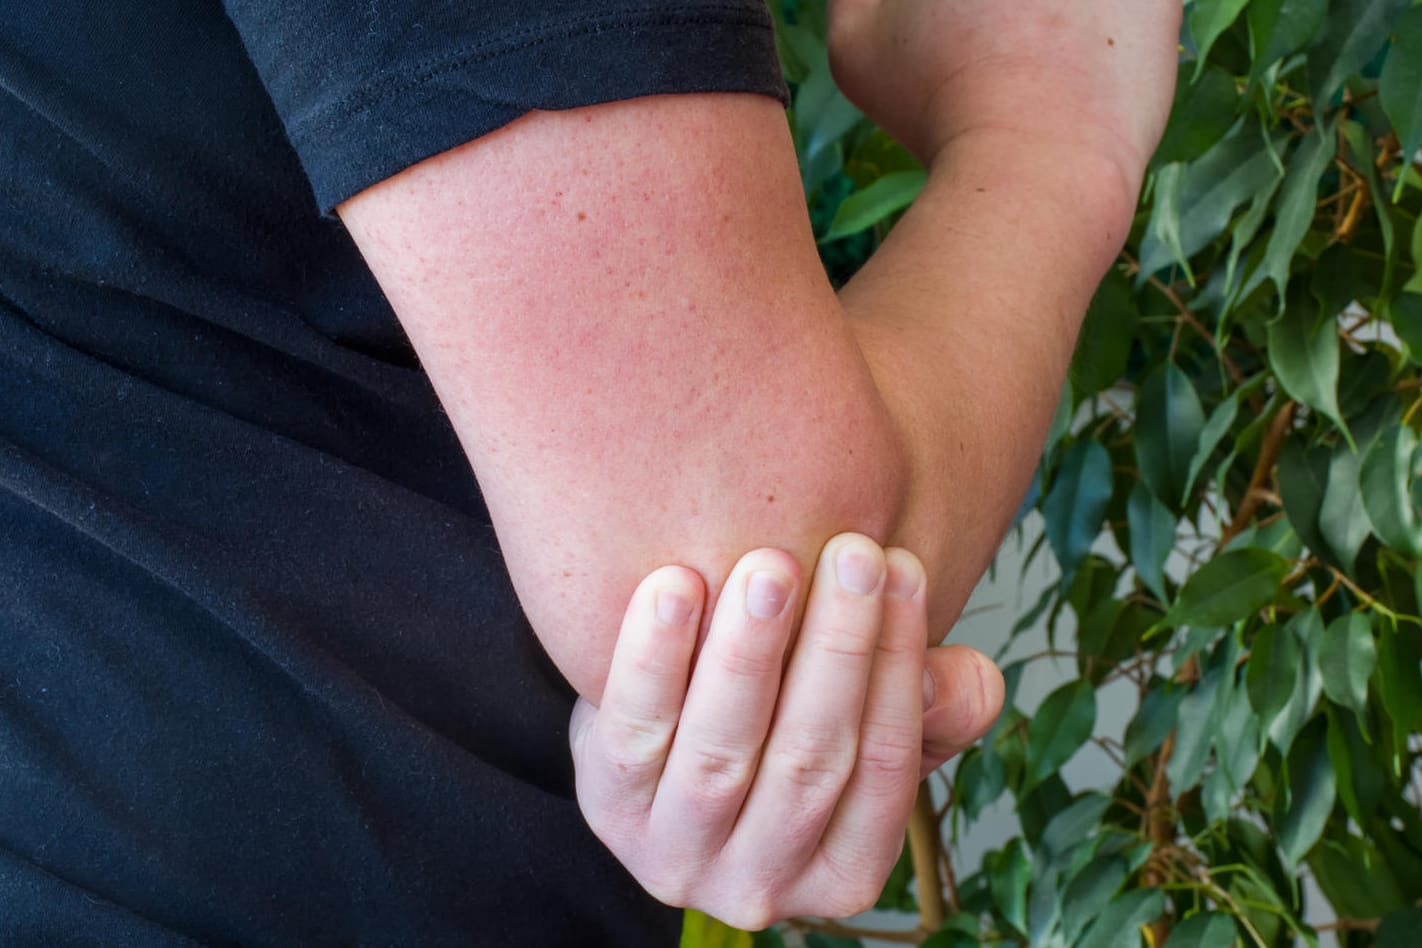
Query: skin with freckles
[{"x": 623, "y": 311}]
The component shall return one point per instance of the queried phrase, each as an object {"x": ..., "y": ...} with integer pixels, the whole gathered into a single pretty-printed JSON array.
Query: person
[{"x": 270, "y": 677}]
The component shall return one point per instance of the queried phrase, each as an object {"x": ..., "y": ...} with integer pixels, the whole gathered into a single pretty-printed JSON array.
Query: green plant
[{"x": 1231, "y": 492}]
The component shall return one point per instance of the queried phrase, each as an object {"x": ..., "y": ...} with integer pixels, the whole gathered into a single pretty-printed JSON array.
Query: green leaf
[
  {"x": 769, "y": 938},
  {"x": 1399, "y": 87},
  {"x": 1152, "y": 529},
  {"x": 1221, "y": 420},
  {"x": 1057, "y": 731},
  {"x": 1090, "y": 892},
  {"x": 699, "y": 930},
  {"x": 1347, "y": 660},
  {"x": 1389, "y": 468},
  {"x": 1237, "y": 743},
  {"x": 1104, "y": 344},
  {"x": 1202, "y": 113},
  {"x": 1296, "y": 205},
  {"x": 1203, "y": 930},
  {"x": 1272, "y": 670},
  {"x": 1399, "y": 929},
  {"x": 1280, "y": 27},
  {"x": 1168, "y": 424},
  {"x": 1194, "y": 732},
  {"x": 1208, "y": 19},
  {"x": 1355, "y": 31},
  {"x": 980, "y": 779},
  {"x": 1299, "y": 819},
  {"x": 1233, "y": 171},
  {"x": 863, "y": 209},
  {"x": 1119, "y": 924},
  {"x": 1228, "y": 588},
  {"x": 1303, "y": 476},
  {"x": 1307, "y": 627},
  {"x": 1154, "y": 720},
  {"x": 1400, "y": 676},
  {"x": 1342, "y": 519},
  {"x": 1303, "y": 352},
  {"x": 1165, "y": 226},
  {"x": 822, "y": 114},
  {"x": 1075, "y": 507},
  {"x": 1009, "y": 873},
  {"x": 1405, "y": 312},
  {"x": 1070, "y": 825}
]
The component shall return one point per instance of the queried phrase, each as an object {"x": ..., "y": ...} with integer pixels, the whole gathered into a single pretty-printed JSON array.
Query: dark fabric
[{"x": 263, "y": 678}]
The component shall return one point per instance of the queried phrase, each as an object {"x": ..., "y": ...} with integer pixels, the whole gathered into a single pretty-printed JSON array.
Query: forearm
[{"x": 967, "y": 316}]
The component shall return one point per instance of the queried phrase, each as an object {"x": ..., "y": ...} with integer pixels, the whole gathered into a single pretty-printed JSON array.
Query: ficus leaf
[
  {"x": 1089, "y": 892},
  {"x": 1221, "y": 420},
  {"x": 1399, "y": 87},
  {"x": 1057, "y": 731},
  {"x": 1347, "y": 659},
  {"x": 1208, "y": 19},
  {"x": 1295, "y": 209},
  {"x": 699, "y": 930},
  {"x": 1203, "y": 930},
  {"x": 1341, "y": 518},
  {"x": 1152, "y": 528},
  {"x": 1303, "y": 477},
  {"x": 1119, "y": 923},
  {"x": 1075, "y": 506},
  {"x": 1231, "y": 172},
  {"x": 1303, "y": 352},
  {"x": 1168, "y": 424},
  {"x": 1312, "y": 791},
  {"x": 1354, "y": 32},
  {"x": 1153, "y": 721},
  {"x": 1307, "y": 628},
  {"x": 1272, "y": 670},
  {"x": 1278, "y": 28},
  {"x": 1405, "y": 313},
  {"x": 863, "y": 209},
  {"x": 1228, "y": 588},
  {"x": 1388, "y": 470}
]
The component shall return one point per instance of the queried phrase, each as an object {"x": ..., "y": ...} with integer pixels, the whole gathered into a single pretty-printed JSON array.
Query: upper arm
[{"x": 622, "y": 310}]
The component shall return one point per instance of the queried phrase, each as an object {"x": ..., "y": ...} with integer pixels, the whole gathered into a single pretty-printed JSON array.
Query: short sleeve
[{"x": 367, "y": 89}]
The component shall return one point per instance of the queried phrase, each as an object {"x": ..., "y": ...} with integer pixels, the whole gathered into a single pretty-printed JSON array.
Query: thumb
[
  {"x": 578, "y": 725},
  {"x": 967, "y": 692}
]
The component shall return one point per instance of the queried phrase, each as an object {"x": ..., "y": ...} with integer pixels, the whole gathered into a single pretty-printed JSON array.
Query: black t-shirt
[{"x": 263, "y": 677}]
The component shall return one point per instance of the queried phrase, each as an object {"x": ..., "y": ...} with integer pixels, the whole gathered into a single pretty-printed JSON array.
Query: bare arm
[{"x": 622, "y": 309}]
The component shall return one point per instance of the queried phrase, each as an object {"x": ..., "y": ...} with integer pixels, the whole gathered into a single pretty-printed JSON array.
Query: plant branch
[
  {"x": 1350, "y": 925},
  {"x": 924, "y": 846},
  {"x": 1268, "y": 456},
  {"x": 827, "y": 927}
]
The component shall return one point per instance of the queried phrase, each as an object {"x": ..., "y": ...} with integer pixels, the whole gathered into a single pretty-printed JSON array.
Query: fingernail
[
  {"x": 905, "y": 578},
  {"x": 766, "y": 594},
  {"x": 673, "y": 607},
  {"x": 857, "y": 570},
  {"x": 930, "y": 689}
]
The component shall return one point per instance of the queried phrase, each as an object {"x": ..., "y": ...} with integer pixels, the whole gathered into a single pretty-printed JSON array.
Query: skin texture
[{"x": 622, "y": 309}]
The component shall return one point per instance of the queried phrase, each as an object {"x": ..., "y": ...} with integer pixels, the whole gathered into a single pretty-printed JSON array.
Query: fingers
[
  {"x": 728, "y": 708},
  {"x": 967, "y": 699},
  {"x": 814, "y": 738},
  {"x": 620, "y": 748},
  {"x": 865, "y": 835}
]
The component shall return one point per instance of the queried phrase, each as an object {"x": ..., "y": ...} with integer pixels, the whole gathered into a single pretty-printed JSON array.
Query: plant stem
[
  {"x": 1268, "y": 456},
  {"x": 924, "y": 846}
]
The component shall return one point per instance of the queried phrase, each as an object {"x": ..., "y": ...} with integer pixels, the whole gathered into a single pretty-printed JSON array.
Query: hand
[
  {"x": 1091, "y": 74},
  {"x": 762, "y": 788}
]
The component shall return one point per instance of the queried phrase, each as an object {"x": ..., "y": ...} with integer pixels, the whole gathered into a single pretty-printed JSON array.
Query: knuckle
[
  {"x": 846, "y": 643},
  {"x": 746, "y": 660},
  {"x": 633, "y": 745},
  {"x": 720, "y": 776},
  {"x": 815, "y": 761}
]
